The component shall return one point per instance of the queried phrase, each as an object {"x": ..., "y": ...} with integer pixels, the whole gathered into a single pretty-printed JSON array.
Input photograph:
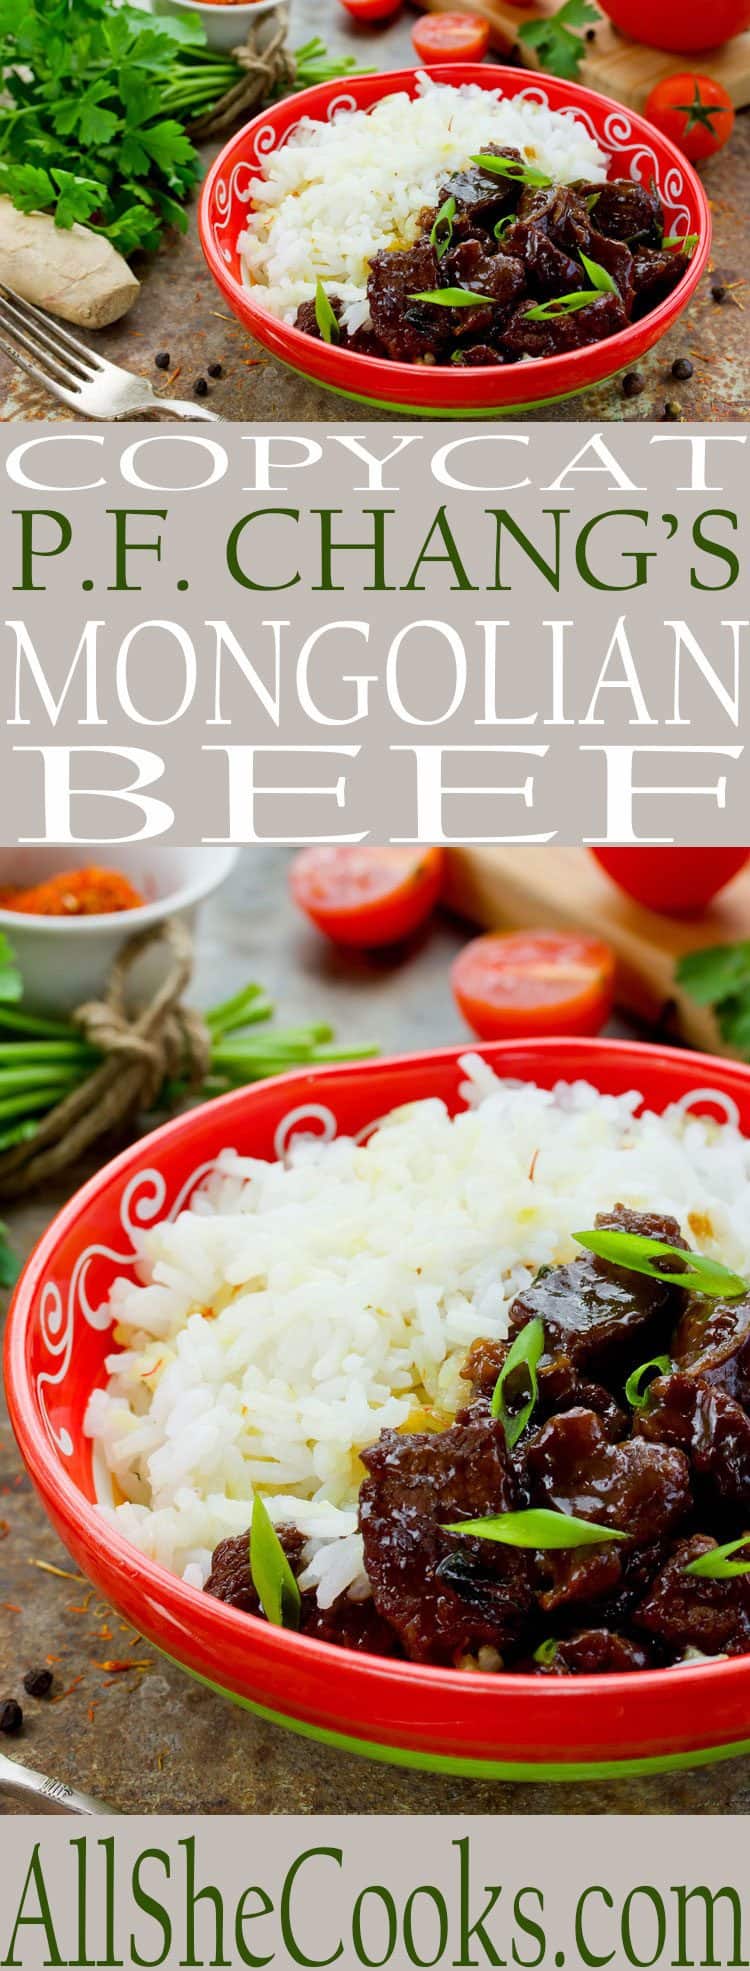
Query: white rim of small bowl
[
  {"x": 137, "y": 919},
  {"x": 258, "y": 7}
]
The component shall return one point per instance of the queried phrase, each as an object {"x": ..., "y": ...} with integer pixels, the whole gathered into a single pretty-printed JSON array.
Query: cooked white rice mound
[
  {"x": 339, "y": 192},
  {"x": 297, "y": 1308}
]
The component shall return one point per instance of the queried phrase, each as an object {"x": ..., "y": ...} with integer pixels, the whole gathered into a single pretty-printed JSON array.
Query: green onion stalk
[
  {"x": 43, "y": 1060},
  {"x": 201, "y": 76}
]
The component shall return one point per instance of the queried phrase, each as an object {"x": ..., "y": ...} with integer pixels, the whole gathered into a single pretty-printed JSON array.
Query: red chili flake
[
  {"x": 12, "y": 1607},
  {"x": 67, "y": 1693},
  {"x": 532, "y": 1166},
  {"x": 53, "y": 1659},
  {"x": 4, "y": 1529},
  {"x": 92, "y": 1707}
]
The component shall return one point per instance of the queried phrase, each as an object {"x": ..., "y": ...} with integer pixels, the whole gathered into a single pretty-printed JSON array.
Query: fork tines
[{"x": 27, "y": 333}]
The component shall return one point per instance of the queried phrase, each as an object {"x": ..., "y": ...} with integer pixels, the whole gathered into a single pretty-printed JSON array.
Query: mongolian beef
[
  {"x": 601, "y": 1467},
  {"x": 510, "y": 265}
]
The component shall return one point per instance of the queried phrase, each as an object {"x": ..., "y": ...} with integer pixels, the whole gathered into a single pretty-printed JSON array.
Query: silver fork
[{"x": 79, "y": 376}]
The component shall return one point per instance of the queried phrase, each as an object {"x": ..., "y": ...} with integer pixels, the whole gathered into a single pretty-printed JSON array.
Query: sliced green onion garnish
[
  {"x": 636, "y": 1392},
  {"x": 687, "y": 244},
  {"x": 511, "y": 167},
  {"x": 324, "y": 315},
  {"x": 562, "y": 304},
  {"x": 546, "y": 1652},
  {"x": 598, "y": 276},
  {"x": 640, "y": 1255},
  {"x": 503, "y": 226},
  {"x": 717, "y": 1565},
  {"x": 453, "y": 297},
  {"x": 590, "y": 202},
  {"x": 524, "y": 1355},
  {"x": 537, "y": 1528},
  {"x": 272, "y": 1577},
  {"x": 442, "y": 231}
]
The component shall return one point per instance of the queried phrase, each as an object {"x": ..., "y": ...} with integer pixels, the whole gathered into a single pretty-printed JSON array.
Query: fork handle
[{"x": 42, "y": 1795}]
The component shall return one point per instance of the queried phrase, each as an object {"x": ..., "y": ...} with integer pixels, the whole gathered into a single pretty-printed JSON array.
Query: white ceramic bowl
[
  {"x": 226, "y": 27},
  {"x": 65, "y": 960}
]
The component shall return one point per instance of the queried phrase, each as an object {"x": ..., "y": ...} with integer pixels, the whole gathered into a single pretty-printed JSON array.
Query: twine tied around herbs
[
  {"x": 265, "y": 70},
  {"x": 140, "y": 1051}
]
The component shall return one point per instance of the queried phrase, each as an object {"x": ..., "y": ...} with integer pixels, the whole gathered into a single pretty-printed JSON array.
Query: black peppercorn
[
  {"x": 214, "y": 369},
  {"x": 718, "y": 291},
  {"x": 200, "y": 387},
  {"x": 38, "y": 1683},
  {"x": 162, "y": 359},
  {"x": 671, "y": 414},
  {"x": 682, "y": 369},
  {"x": 11, "y": 1715},
  {"x": 632, "y": 384}
]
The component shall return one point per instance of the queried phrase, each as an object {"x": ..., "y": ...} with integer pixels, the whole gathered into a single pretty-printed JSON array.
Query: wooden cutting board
[
  {"x": 559, "y": 888},
  {"x": 612, "y": 64}
]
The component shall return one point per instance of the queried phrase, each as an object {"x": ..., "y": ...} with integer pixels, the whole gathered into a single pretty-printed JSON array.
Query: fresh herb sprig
[
  {"x": 660, "y": 1261},
  {"x": 555, "y": 42},
  {"x": 719, "y": 976}
]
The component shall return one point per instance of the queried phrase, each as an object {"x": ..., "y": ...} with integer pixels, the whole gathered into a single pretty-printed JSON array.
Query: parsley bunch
[{"x": 96, "y": 101}]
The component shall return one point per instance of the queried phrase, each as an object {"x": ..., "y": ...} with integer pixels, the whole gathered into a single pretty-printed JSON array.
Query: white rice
[
  {"x": 297, "y": 1308},
  {"x": 336, "y": 193}
]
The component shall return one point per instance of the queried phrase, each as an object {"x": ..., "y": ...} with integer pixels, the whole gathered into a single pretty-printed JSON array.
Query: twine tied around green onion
[
  {"x": 138, "y": 1050},
  {"x": 265, "y": 70}
]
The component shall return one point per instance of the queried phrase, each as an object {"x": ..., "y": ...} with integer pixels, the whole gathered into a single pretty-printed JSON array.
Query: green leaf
[
  {"x": 562, "y": 304},
  {"x": 717, "y": 1565},
  {"x": 324, "y": 315},
  {"x": 9, "y": 1264},
  {"x": 272, "y": 1577},
  {"x": 168, "y": 145},
  {"x": 30, "y": 188},
  {"x": 537, "y": 1528},
  {"x": 692, "y": 1270},
  {"x": 78, "y": 198},
  {"x": 598, "y": 276},
  {"x": 453, "y": 297},
  {"x": 635, "y": 1393},
  {"x": 558, "y": 48},
  {"x": 510, "y": 167},
  {"x": 522, "y": 1357},
  {"x": 503, "y": 226},
  {"x": 714, "y": 972},
  {"x": 442, "y": 231}
]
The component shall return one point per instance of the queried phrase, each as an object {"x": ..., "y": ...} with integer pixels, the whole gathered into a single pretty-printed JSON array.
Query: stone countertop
[
  {"x": 150, "y": 1739},
  {"x": 181, "y": 310}
]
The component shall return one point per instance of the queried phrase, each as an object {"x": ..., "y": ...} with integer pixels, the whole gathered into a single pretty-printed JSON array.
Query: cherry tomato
[
  {"x": 679, "y": 882},
  {"x": 682, "y": 27},
  {"x": 367, "y": 896},
  {"x": 371, "y": 10},
  {"x": 694, "y": 111},
  {"x": 511, "y": 984},
  {"x": 450, "y": 38}
]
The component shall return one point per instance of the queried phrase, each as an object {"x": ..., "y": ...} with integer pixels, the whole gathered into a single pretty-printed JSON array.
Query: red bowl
[
  {"x": 638, "y": 152},
  {"x": 507, "y": 1727}
]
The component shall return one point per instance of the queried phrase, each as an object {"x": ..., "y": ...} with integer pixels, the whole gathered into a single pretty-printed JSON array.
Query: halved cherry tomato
[
  {"x": 694, "y": 111},
  {"x": 511, "y": 984},
  {"x": 450, "y": 38},
  {"x": 367, "y": 896},
  {"x": 682, "y": 27},
  {"x": 371, "y": 10},
  {"x": 679, "y": 882}
]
